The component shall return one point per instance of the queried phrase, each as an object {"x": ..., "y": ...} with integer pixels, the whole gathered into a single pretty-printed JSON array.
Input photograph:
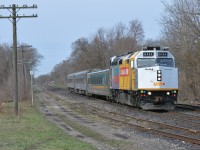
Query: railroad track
[
  {"x": 142, "y": 124},
  {"x": 112, "y": 117},
  {"x": 151, "y": 129},
  {"x": 180, "y": 117},
  {"x": 157, "y": 132},
  {"x": 189, "y": 107},
  {"x": 148, "y": 126}
]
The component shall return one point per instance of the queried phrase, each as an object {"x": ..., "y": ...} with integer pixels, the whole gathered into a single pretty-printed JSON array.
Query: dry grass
[{"x": 30, "y": 130}]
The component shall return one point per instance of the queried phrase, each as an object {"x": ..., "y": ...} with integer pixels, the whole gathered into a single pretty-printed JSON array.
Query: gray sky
[{"x": 61, "y": 22}]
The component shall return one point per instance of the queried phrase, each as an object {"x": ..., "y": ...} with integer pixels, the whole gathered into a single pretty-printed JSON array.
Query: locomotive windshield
[
  {"x": 150, "y": 62},
  {"x": 168, "y": 62}
]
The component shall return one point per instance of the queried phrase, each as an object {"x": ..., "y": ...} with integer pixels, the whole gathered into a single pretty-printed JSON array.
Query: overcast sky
[{"x": 61, "y": 22}]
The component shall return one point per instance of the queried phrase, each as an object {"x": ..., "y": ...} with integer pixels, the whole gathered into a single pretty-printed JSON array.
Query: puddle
[
  {"x": 63, "y": 109},
  {"x": 46, "y": 110},
  {"x": 57, "y": 120},
  {"x": 65, "y": 127},
  {"x": 121, "y": 136},
  {"x": 77, "y": 117},
  {"x": 89, "y": 122},
  {"x": 80, "y": 136},
  {"x": 49, "y": 114}
]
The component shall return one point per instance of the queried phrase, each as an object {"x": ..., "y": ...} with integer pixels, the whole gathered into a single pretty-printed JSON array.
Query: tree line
[
  {"x": 95, "y": 52},
  {"x": 28, "y": 59},
  {"x": 180, "y": 31}
]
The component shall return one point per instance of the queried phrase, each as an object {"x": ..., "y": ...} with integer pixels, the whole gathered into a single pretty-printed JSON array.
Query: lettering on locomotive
[
  {"x": 158, "y": 84},
  {"x": 124, "y": 71}
]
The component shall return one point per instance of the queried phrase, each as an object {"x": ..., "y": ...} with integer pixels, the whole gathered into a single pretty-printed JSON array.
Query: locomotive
[{"x": 147, "y": 79}]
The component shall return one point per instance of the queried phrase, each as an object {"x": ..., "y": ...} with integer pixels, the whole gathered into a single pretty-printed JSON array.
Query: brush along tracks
[{"x": 187, "y": 134}]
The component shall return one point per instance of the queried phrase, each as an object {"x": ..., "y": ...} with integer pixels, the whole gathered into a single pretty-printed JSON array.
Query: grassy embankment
[{"x": 30, "y": 130}]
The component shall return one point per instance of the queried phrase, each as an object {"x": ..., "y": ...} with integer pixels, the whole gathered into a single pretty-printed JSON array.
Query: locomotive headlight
[
  {"x": 168, "y": 93},
  {"x": 149, "y": 93},
  {"x": 174, "y": 91}
]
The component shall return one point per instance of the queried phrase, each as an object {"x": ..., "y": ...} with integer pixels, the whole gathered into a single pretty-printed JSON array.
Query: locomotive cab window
[
  {"x": 150, "y": 62},
  {"x": 145, "y": 62},
  {"x": 168, "y": 62}
]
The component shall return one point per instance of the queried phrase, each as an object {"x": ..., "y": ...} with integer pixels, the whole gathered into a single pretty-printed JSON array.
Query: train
[{"x": 146, "y": 79}]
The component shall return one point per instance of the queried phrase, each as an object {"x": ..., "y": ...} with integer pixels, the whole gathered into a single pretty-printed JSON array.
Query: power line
[{"x": 14, "y": 18}]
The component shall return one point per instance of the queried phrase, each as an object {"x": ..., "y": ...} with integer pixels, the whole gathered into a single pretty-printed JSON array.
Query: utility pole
[
  {"x": 31, "y": 72},
  {"x": 23, "y": 65},
  {"x": 14, "y": 18}
]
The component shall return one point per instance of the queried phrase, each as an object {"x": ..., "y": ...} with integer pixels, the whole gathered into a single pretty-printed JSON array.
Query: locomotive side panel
[
  {"x": 115, "y": 77},
  {"x": 125, "y": 75}
]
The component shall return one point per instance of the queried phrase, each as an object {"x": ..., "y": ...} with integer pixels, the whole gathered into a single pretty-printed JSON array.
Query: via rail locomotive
[{"x": 147, "y": 79}]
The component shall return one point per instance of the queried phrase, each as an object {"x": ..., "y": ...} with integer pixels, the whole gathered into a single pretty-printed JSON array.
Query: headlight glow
[{"x": 149, "y": 93}]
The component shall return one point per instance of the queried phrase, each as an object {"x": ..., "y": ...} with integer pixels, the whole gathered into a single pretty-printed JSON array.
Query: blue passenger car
[{"x": 98, "y": 83}]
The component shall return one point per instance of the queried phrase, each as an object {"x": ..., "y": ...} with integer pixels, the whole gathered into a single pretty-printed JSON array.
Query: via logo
[{"x": 158, "y": 84}]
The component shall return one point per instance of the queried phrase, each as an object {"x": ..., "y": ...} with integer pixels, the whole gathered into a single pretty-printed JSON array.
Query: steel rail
[
  {"x": 152, "y": 122},
  {"x": 150, "y": 130},
  {"x": 155, "y": 131}
]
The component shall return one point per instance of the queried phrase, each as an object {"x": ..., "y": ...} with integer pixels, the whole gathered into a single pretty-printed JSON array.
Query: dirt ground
[{"x": 103, "y": 134}]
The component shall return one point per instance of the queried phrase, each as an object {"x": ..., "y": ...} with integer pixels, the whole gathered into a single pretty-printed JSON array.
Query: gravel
[{"x": 133, "y": 138}]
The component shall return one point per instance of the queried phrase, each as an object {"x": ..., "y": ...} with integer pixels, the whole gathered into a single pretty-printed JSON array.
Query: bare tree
[
  {"x": 6, "y": 71},
  {"x": 181, "y": 31},
  {"x": 95, "y": 52}
]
